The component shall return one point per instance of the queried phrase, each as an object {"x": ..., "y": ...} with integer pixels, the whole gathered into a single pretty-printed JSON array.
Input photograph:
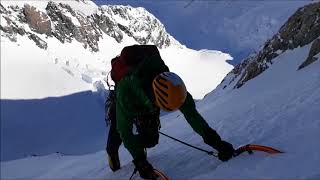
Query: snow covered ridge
[
  {"x": 302, "y": 28},
  {"x": 67, "y": 22}
]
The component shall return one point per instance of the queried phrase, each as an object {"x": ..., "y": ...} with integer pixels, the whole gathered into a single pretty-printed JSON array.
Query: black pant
[{"x": 114, "y": 140}]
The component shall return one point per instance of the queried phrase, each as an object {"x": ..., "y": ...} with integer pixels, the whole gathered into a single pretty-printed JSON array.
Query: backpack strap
[{"x": 110, "y": 86}]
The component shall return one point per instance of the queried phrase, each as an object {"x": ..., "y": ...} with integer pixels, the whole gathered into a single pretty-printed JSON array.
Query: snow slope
[
  {"x": 55, "y": 97},
  {"x": 45, "y": 104},
  {"x": 52, "y": 116},
  {"x": 279, "y": 108},
  {"x": 209, "y": 66},
  {"x": 47, "y": 91},
  {"x": 28, "y": 73}
]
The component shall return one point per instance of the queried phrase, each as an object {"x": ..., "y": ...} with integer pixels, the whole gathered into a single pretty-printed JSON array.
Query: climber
[{"x": 144, "y": 85}]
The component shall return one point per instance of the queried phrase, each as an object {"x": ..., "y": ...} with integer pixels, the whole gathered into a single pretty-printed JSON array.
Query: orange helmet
[{"x": 169, "y": 91}]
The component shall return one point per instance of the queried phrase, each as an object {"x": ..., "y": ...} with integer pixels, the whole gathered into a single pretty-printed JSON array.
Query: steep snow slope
[
  {"x": 62, "y": 89},
  {"x": 54, "y": 96},
  {"x": 44, "y": 91},
  {"x": 279, "y": 108}
]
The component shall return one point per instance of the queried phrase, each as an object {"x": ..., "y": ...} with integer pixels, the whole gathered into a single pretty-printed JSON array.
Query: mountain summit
[
  {"x": 81, "y": 21},
  {"x": 301, "y": 29}
]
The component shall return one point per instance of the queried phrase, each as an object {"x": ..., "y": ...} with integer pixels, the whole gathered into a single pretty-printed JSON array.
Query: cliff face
[
  {"x": 302, "y": 28},
  {"x": 67, "y": 24}
]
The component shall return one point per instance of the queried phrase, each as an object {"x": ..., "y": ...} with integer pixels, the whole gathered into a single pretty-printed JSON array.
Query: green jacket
[{"x": 132, "y": 100}]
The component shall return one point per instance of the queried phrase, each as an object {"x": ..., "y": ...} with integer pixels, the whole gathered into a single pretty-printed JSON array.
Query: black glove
[
  {"x": 225, "y": 151},
  {"x": 145, "y": 169}
]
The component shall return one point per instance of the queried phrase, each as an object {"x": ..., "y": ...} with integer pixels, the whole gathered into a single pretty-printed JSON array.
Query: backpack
[
  {"x": 143, "y": 60},
  {"x": 130, "y": 58}
]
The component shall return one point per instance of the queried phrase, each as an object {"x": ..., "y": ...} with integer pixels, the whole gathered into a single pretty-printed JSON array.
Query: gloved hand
[
  {"x": 225, "y": 151},
  {"x": 145, "y": 169}
]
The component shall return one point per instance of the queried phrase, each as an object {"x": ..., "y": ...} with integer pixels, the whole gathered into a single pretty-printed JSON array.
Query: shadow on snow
[{"x": 72, "y": 124}]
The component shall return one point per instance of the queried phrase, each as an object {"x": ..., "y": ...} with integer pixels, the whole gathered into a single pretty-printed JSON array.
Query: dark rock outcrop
[
  {"x": 108, "y": 26},
  {"x": 3, "y": 10},
  {"x": 314, "y": 50},
  {"x": 301, "y": 29},
  {"x": 61, "y": 21},
  {"x": 37, "y": 20},
  {"x": 39, "y": 42}
]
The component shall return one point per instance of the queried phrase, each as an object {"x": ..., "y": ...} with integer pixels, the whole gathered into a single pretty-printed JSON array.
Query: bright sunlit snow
[
  {"x": 27, "y": 72},
  {"x": 208, "y": 67},
  {"x": 83, "y": 6}
]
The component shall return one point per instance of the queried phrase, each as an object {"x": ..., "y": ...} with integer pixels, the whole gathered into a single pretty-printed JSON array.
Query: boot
[
  {"x": 145, "y": 169},
  {"x": 114, "y": 162}
]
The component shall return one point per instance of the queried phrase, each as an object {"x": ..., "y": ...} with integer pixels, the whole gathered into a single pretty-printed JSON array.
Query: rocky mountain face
[
  {"x": 302, "y": 28},
  {"x": 61, "y": 21}
]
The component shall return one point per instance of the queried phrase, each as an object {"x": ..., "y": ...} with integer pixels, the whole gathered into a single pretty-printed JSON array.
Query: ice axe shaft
[
  {"x": 246, "y": 148},
  {"x": 215, "y": 154}
]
